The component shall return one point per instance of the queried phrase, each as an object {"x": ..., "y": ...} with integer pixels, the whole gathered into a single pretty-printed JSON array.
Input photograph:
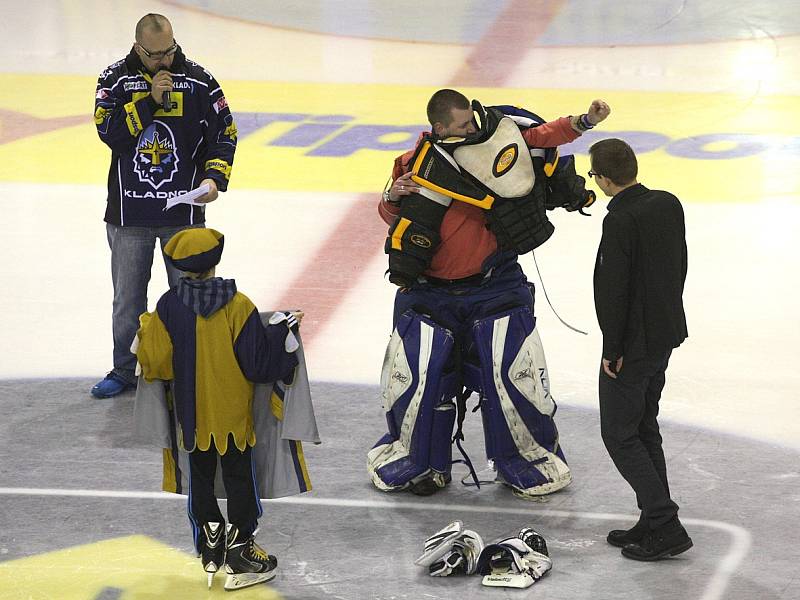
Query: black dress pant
[
  {"x": 629, "y": 426},
  {"x": 244, "y": 506}
]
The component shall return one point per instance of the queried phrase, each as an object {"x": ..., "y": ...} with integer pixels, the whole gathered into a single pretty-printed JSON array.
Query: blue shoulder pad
[{"x": 516, "y": 111}]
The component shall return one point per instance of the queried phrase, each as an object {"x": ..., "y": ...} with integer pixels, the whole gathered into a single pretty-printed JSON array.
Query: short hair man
[
  {"x": 462, "y": 206},
  {"x": 170, "y": 130},
  {"x": 638, "y": 288}
]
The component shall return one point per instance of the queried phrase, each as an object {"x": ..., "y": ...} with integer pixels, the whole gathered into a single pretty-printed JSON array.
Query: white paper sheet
[{"x": 189, "y": 197}]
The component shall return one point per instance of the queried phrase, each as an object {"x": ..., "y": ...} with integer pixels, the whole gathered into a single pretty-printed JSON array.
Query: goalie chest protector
[
  {"x": 493, "y": 170},
  {"x": 502, "y": 163}
]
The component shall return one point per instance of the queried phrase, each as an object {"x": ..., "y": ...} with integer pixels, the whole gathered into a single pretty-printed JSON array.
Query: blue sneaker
[{"x": 111, "y": 386}]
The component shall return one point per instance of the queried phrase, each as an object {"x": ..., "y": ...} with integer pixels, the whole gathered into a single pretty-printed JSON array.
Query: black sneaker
[
  {"x": 246, "y": 562},
  {"x": 622, "y": 537},
  {"x": 668, "y": 540},
  {"x": 212, "y": 553}
]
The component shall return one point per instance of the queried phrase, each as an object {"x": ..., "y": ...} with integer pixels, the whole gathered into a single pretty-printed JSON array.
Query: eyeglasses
[
  {"x": 593, "y": 173},
  {"x": 159, "y": 55}
]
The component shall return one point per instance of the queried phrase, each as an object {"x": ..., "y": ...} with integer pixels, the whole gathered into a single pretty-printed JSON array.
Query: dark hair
[
  {"x": 442, "y": 103},
  {"x": 152, "y": 21},
  {"x": 614, "y": 159}
]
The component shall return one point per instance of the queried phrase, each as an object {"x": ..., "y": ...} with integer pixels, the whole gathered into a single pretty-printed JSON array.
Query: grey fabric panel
[
  {"x": 299, "y": 422},
  {"x": 150, "y": 414}
]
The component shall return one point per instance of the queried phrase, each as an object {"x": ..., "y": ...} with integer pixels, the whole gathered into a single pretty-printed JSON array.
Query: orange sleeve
[
  {"x": 388, "y": 211},
  {"x": 550, "y": 134}
]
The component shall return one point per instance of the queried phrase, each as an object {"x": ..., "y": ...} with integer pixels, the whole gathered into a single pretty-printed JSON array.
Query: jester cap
[{"x": 195, "y": 250}]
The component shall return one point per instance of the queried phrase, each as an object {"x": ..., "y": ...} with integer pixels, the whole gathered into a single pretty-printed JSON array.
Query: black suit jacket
[{"x": 639, "y": 274}]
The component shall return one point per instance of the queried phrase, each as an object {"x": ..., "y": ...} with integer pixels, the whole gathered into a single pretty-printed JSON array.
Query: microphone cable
[{"x": 544, "y": 289}]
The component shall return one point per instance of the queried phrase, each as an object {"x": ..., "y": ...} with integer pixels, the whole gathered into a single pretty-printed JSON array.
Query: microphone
[{"x": 166, "y": 102}]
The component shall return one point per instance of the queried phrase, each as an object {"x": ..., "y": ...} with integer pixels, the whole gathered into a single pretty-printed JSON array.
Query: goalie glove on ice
[
  {"x": 452, "y": 550},
  {"x": 512, "y": 562}
]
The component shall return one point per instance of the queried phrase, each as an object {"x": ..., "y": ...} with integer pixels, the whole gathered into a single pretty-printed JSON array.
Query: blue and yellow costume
[{"x": 207, "y": 339}]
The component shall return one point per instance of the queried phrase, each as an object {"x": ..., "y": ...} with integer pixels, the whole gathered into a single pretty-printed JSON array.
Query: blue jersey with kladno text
[{"x": 158, "y": 154}]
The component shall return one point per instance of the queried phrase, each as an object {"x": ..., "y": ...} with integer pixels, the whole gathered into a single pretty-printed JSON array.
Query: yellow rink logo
[{"x": 129, "y": 567}]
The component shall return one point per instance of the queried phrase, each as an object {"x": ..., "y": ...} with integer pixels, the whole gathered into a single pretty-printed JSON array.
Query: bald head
[
  {"x": 155, "y": 43},
  {"x": 152, "y": 23}
]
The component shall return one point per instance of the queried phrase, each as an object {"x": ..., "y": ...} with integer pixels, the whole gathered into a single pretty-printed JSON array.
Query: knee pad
[
  {"x": 417, "y": 395},
  {"x": 516, "y": 406}
]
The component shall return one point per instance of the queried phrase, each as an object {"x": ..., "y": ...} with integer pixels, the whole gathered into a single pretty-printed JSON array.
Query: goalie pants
[
  {"x": 244, "y": 506},
  {"x": 629, "y": 426},
  {"x": 456, "y": 306}
]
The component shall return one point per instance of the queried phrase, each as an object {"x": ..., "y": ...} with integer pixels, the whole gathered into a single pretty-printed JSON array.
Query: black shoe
[
  {"x": 668, "y": 540},
  {"x": 622, "y": 537},
  {"x": 430, "y": 484}
]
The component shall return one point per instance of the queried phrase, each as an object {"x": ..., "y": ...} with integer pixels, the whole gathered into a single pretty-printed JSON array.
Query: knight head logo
[{"x": 156, "y": 161}]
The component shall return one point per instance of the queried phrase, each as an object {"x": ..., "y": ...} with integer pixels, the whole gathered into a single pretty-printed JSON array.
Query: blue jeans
[{"x": 132, "y": 251}]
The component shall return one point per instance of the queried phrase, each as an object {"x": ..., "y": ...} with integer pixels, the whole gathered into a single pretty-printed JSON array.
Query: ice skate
[
  {"x": 246, "y": 562},
  {"x": 213, "y": 551}
]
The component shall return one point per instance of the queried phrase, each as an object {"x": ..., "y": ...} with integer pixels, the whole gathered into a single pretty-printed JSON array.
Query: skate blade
[
  {"x": 211, "y": 570},
  {"x": 237, "y": 581}
]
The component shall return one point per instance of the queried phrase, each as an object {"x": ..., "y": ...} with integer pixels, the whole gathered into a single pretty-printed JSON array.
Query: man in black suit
[{"x": 638, "y": 286}]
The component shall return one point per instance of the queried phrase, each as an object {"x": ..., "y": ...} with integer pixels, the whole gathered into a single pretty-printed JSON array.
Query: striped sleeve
[{"x": 119, "y": 121}]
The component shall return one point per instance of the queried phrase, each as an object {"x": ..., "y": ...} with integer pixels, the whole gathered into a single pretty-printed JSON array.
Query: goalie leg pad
[
  {"x": 517, "y": 408},
  {"x": 416, "y": 399},
  {"x": 444, "y": 417}
]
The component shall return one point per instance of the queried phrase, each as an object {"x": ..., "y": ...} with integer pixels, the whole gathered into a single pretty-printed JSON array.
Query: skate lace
[{"x": 257, "y": 551}]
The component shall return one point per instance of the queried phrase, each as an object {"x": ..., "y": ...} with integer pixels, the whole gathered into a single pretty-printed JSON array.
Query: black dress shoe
[
  {"x": 622, "y": 537},
  {"x": 662, "y": 542}
]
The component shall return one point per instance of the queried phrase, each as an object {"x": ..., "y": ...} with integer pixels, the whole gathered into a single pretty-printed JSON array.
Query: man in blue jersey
[{"x": 170, "y": 131}]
